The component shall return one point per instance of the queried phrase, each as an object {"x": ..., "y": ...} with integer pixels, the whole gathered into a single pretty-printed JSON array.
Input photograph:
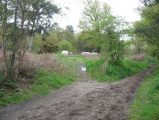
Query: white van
[{"x": 64, "y": 52}]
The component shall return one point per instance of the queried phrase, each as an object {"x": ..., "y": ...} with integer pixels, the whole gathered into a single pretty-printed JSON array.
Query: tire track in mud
[{"x": 81, "y": 101}]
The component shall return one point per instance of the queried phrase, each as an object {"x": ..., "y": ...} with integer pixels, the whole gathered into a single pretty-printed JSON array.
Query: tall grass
[
  {"x": 146, "y": 102},
  {"x": 115, "y": 72},
  {"x": 42, "y": 61},
  {"x": 44, "y": 82}
]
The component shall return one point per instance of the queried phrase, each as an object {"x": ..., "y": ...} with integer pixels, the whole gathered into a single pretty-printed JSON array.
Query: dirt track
[{"x": 81, "y": 101}]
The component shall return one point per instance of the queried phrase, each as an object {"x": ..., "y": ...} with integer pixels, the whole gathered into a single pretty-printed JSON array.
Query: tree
[
  {"x": 65, "y": 45},
  {"x": 137, "y": 40},
  {"x": 87, "y": 41},
  {"x": 13, "y": 58},
  {"x": 40, "y": 14},
  {"x": 16, "y": 22},
  {"x": 102, "y": 31},
  {"x": 93, "y": 14},
  {"x": 91, "y": 23},
  {"x": 148, "y": 26},
  {"x": 112, "y": 46},
  {"x": 149, "y": 2},
  {"x": 70, "y": 28},
  {"x": 48, "y": 47},
  {"x": 58, "y": 34},
  {"x": 138, "y": 43}
]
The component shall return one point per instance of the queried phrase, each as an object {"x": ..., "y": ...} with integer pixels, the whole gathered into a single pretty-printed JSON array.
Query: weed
[
  {"x": 2, "y": 92},
  {"x": 11, "y": 85}
]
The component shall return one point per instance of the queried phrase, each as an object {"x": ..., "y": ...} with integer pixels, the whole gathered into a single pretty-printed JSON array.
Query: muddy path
[{"x": 81, "y": 101}]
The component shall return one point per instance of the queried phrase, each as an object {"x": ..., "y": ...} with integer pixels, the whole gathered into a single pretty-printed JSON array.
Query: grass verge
[
  {"x": 44, "y": 82},
  {"x": 115, "y": 72},
  {"x": 146, "y": 102}
]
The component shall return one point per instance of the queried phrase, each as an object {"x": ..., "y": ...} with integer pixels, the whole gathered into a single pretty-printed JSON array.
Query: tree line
[{"x": 146, "y": 30}]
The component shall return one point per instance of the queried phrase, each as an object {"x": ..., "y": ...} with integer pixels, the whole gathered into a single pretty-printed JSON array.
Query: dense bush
[
  {"x": 65, "y": 45},
  {"x": 48, "y": 47}
]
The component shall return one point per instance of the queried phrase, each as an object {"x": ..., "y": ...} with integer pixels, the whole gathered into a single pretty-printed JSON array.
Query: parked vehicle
[
  {"x": 85, "y": 53},
  {"x": 64, "y": 52}
]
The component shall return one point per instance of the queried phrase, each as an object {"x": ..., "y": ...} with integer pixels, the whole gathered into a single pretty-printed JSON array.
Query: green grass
[
  {"x": 44, "y": 83},
  {"x": 34, "y": 52},
  {"x": 115, "y": 72},
  {"x": 146, "y": 102},
  {"x": 78, "y": 59}
]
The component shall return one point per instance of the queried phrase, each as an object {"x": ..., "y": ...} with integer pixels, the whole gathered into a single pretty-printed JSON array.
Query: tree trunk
[
  {"x": 4, "y": 38},
  {"x": 20, "y": 51},
  {"x": 15, "y": 48}
]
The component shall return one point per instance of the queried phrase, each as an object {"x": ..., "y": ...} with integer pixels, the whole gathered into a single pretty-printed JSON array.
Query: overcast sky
[{"x": 124, "y": 8}]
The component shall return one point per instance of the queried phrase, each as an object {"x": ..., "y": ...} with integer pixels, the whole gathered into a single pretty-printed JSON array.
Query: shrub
[
  {"x": 65, "y": 45},
  {"x": 48, "y": 47}
]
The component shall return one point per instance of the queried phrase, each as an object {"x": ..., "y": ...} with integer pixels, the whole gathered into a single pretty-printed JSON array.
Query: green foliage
[
  {"x": 15, "y": 30},
  {"x": 2, "y": 92},
  {"x": 10, "y": 85},
  {"x": 36, "y": 43},
  {"x": 58, "y": 34},
  {"x": 153, "y": 50},
  {"x": 88, "y": 41},
  {"x": 40, "y": 18},
  {"x": 138, "y": 43},
  {"x": 114, "y": 72},
  {"x": 94, "y": 14},
  {"x": 148, "y": 26},
  {"x": 146, "y": 105},
  {"x": 65, "y": 45},
  {"x": 44, "y": 82},
  {"x": 101, "y": 31},
  {"x": 10, "y": 88},
  {"x": 115, "y": 51},
  {"x": 111, "y": 45},
  {"x": 48, "y": 47}
]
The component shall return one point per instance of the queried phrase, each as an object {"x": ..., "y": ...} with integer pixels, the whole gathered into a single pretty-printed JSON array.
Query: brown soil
[{"x": 81, "y": 101}]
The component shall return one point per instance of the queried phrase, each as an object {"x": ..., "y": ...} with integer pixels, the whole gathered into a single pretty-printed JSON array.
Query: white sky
[{"x": 124, "y": 8}]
